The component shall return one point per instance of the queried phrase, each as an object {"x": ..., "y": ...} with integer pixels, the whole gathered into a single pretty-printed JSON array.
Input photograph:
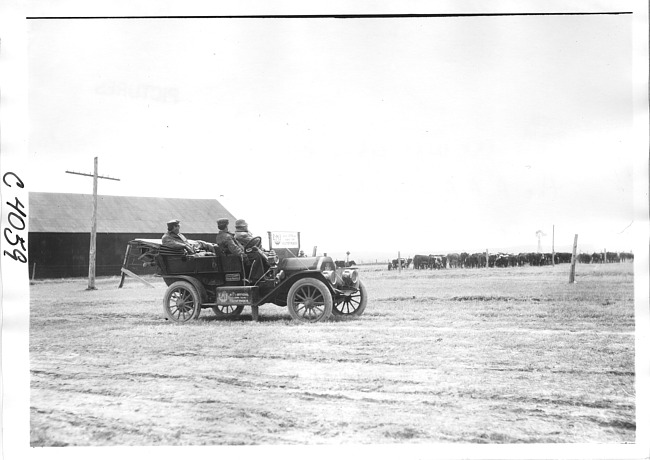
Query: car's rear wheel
[
  {"x": 353, "y": 304},
  {"x": 227, "y": 311},
  {"x": 181, "y": 302},
  {"x": 309, "y": 300}
]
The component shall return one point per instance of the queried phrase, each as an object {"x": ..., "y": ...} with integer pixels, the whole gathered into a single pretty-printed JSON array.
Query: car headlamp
[
  {"x": 349, "y": 276},
  {"x": 330, "y": 275}
]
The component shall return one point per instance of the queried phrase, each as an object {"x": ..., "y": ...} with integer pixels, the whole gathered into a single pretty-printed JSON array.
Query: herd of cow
[{"x": 479, "y": 260}]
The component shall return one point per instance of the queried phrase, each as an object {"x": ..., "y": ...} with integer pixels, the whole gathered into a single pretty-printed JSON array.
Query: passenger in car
[
  {"x": 174, "y": 239},
  {"x": 226, "y": 240}
]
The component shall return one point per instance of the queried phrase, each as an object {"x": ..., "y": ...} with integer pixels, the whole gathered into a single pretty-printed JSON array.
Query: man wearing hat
[
  {"x": 174, "y": 239},
  {"x": 242, "y": 235},
  {"x": 226, "y": 240}
]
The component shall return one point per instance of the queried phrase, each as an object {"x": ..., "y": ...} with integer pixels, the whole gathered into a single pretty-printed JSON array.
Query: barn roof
[{"x": 72, "y": 213}]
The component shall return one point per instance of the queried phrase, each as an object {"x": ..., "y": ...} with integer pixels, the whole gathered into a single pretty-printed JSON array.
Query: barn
[{"x": 60, "y": 225}]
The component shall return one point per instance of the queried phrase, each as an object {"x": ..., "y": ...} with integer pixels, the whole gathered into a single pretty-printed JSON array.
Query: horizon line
[{"x": 336, "y": 16}]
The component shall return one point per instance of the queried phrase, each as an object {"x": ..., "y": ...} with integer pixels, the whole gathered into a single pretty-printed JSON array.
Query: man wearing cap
[
  {"x": 174, "y": 239},
  {"x": 226, "y": 240}
]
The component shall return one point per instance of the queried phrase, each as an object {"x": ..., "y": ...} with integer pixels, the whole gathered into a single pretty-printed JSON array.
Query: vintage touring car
[{"x": 312, "y": 288}]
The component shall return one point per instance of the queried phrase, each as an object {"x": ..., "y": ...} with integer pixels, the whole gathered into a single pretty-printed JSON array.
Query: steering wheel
[{"x": 254, "y": 243}]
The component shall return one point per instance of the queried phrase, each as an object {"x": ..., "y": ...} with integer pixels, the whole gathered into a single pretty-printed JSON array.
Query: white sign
[{"x": 289, "y": 240}]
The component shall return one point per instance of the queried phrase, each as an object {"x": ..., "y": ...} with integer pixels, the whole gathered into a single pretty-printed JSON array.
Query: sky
[{"x": 417, "y": 135}]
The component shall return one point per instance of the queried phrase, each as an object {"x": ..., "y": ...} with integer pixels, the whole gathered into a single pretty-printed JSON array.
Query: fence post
[
  {"x": 553, "y": 248},
  {"x": 399, "y": 262},
  {"x": 572, "y": 275}
]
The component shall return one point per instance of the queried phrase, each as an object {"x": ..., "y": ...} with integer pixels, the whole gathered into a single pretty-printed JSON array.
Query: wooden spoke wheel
[
  {"x": 227, "y": 311},
  {"x": 181, "y": 302},
  {"x": 310, "y": 301},
  {"x": 353, "y": 304}
]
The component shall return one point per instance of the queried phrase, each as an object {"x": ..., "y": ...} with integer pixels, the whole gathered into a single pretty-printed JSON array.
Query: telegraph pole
[{"x": 93, "y": 232}]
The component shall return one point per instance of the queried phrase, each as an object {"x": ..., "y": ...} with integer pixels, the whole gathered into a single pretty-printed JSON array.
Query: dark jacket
[
  {"x": 176, "y": 241},
  {"x": 226, "y": 241},
  {"x": 243, "y": 237}
]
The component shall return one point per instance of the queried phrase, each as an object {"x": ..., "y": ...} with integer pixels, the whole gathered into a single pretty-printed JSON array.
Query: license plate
[{"x": 225, "y": 297}]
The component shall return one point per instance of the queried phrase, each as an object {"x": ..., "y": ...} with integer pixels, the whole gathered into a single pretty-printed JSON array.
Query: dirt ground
[{"x": 514, "y": 355}]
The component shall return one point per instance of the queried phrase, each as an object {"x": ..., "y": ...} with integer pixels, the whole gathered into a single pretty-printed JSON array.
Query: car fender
[
  {"x": 283, "y": 288},
  {"x": 193, "y": 281},
  {"x": 308, "y": 274}
]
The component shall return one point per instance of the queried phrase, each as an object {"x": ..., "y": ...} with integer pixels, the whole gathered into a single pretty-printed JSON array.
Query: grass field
[{"x": 514, "y": 355}]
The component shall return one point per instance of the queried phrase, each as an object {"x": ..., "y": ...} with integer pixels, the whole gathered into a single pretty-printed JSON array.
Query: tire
[
  {"x": 309, "y": 301},
  {"x": 227, "y": 311},
  {"x": 352, "y": 305},
  {"x": 181, "y": 302}
]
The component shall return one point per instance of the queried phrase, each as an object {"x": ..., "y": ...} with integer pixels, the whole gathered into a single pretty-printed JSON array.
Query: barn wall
[{"x": 65, "y": 255}]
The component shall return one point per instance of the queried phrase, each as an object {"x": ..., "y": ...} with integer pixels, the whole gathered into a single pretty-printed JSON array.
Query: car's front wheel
[
  {"x": 309, "y": 300},
  {"x": 353, "y": 304}
]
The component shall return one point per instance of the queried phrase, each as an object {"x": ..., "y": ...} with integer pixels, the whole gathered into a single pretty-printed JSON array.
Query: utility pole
[{"x": 93, "y": 232}]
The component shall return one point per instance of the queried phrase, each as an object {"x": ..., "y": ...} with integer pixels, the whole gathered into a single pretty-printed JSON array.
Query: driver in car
[{"x": 242, "y": 235}]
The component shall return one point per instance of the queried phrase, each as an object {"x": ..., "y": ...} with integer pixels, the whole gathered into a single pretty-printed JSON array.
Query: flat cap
[
  {"x": 173, "y": 222},
  {"x": 223, "y": 221},
  {"x": 241, "y": 223}
]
